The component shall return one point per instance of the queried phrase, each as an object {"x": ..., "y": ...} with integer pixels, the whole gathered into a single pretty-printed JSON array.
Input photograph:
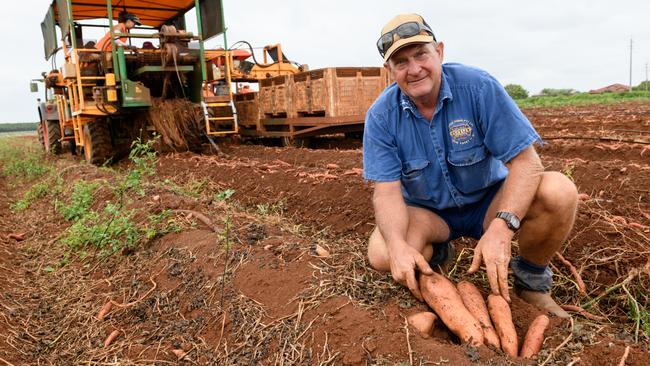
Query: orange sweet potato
[
  {"x": 534, "y": 337},
  {"x": 502, "y": 318},
  {"x": 443, "y": 297},
  {"x": 474, "y": 302},
  {"x": 424, "y": 322}
]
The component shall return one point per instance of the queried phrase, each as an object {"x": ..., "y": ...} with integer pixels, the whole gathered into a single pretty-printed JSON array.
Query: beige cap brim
[{"x": 420, "y": 38}]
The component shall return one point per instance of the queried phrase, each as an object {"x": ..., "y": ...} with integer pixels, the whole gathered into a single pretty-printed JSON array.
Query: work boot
[
  {"x": 443, "y": 255},
  {"x": 542, "y": 300}
]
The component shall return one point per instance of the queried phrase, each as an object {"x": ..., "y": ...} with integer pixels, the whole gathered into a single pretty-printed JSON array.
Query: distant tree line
[
  {"x": 18, "y": 127},
  {"x": 518, "y": 92}
]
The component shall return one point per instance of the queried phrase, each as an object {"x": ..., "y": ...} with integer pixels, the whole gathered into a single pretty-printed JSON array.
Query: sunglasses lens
[
  {"x": 408, "y": 30},
  {"x": 385, "y": 42}
]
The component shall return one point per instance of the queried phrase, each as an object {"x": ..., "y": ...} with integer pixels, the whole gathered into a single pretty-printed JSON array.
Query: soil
[{"x": 264, "y": 296}]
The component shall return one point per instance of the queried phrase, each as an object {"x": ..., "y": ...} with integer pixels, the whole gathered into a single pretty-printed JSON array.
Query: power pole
[
  {"x": 630, "y": 64},
  {"x": 646, "y": 76}
]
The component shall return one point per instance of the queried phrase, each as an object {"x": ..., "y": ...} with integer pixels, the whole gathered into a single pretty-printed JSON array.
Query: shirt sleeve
[
  {"x": 381, "y": 162},
  {"x": 507, "y": 132}
]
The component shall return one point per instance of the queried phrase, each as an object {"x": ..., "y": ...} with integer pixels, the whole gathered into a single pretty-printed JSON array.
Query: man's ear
[{"x": 441, "y": 50}]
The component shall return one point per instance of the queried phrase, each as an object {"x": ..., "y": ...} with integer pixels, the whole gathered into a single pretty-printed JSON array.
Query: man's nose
[{"x": 413, "y": 68}]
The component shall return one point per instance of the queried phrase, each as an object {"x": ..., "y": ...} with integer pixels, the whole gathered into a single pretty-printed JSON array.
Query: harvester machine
[{"x": 102, "y": 97}]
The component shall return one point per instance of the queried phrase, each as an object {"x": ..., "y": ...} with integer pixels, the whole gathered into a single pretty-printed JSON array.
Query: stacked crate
[
  {"x": 275, "y": 97},
  {"x": 330, "y": 92},
  {"x": 248, "y": 109}
]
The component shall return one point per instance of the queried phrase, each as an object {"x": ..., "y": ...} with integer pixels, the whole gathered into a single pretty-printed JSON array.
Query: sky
[{"x": 577, "y": 44}]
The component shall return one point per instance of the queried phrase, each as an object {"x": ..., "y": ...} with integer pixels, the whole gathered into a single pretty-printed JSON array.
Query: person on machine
[{"x": 126, "y": 22}]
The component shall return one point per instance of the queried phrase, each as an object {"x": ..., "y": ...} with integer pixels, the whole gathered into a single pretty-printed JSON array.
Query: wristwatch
[{"x": 511, "y": 220}]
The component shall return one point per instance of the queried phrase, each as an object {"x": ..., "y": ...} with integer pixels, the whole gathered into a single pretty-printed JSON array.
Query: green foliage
[
  {"x": 114, "y": 229},
  {"x": 271, "y": 208},
  {"x": 583, "y": 99},
  {"x": 516, "y": 91},
  {"x": 224, "y": 195},
  {"x": 555, "y": 92},
  {"x": 80, "y": 201},
  {"x": 643, "y": 86},
  {"x": 38, "y": 190},
  {"x": 109, "y": 232},
  {"x": 144, "y": 158},
  {"x": 17, "y": 127},
  {"x": 25, "y": 165},
  {"x": 160, "y": 224}
]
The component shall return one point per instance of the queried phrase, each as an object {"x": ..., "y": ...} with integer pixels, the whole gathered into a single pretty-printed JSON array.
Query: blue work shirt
[{"x": 452, "y": 160}]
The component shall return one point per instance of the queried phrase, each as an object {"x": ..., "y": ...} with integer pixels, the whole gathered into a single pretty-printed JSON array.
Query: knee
[
  {"x": 556, "y": 194},
  {"x": 377, "y": 252}
]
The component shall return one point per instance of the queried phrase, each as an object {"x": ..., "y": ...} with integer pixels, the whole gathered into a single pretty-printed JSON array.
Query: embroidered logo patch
[{"x": 461, "y": 131}]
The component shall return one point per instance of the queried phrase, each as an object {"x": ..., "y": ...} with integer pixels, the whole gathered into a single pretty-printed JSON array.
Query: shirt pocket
[
  {"x": 469, "y": 169},
  {"x": 414, "y": 179}
]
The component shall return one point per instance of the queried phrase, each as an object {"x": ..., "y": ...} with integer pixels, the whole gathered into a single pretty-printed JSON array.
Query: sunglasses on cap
[{"x": 406, "y": 30}]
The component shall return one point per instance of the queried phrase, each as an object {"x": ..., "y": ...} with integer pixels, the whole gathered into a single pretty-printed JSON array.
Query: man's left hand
[{"x": 494, "y": 250}]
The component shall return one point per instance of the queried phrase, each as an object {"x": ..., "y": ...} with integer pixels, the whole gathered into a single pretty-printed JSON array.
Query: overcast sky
[{"x": 543, "y": 44}]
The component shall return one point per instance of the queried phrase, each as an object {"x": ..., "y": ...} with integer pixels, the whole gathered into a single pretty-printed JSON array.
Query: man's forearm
[
  {"x": 391, "y": 215},
  {"x": 522, "y": 182}
]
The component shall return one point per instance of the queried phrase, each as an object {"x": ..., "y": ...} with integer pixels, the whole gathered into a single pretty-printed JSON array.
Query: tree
[
  {"x": 516, "y": 91},
  {"x": 555, "y": 92},
  {"x": 644, "y": 85}
]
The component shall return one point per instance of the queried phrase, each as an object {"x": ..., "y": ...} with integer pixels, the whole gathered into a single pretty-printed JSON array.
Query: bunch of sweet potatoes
[{"x": 463, "y": 310}]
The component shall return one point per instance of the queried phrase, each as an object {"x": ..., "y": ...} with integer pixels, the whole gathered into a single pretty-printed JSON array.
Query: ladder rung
[
  {"x": 218, "y": 104},
  {"x": 220, "y": 118}
]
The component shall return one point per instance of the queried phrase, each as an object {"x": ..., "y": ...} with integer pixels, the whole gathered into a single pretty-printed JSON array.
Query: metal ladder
[{"x": 217, "y": 124}]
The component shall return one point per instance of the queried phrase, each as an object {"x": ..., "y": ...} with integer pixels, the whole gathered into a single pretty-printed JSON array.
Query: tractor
[{"x": 105, "y": 93}]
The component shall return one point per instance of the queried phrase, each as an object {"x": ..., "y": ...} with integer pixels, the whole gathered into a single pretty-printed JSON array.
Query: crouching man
[{"x": 451, "y": 155}]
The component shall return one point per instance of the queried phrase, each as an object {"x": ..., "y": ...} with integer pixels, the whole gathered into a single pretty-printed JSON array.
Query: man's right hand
[{"x": 404, "y": 261}]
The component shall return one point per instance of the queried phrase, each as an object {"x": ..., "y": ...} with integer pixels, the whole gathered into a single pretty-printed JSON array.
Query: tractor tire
[
  {"x": 98, "y": 148},
  {"x": 52, "y": 137}
]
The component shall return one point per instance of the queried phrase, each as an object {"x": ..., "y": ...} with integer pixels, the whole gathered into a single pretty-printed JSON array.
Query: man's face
[
  {"x": 417, "y": 69},
  {"x": 130, "y": 24}
]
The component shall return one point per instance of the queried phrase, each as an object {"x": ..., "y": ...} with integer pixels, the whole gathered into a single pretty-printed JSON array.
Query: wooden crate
[
  {"x": 337, "y": 92},
  {"x": 276, "y": 97},
  {"x": 248, "y": 109}
]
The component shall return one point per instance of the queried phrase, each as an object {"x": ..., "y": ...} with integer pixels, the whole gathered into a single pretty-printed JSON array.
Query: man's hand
[
  {"x": 494, "y": 249},
  {"x": 404, "y": 260}
]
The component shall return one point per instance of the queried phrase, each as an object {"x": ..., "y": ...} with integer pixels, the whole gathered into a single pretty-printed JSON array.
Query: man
[
  {"x": 452, "y": 155},
  {"x": 126, "y": 22}
]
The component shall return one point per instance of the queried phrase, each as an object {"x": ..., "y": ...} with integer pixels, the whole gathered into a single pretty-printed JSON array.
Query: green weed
[
  {"x": 38, "y": 190},
  {"x": 224, "y": 195},
  {"x": 568, "y": 171},
  {"x": 271, "y": 208},
  {"x": 144, "y": 159},
  {"x": 80, "y": 201}
]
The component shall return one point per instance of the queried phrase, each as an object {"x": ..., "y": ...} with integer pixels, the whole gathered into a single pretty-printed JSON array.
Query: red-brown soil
[{"x": 282, "y": 304}]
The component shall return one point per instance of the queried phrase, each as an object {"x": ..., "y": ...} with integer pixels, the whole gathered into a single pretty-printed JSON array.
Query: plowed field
[{"x": 212, "y": 260}]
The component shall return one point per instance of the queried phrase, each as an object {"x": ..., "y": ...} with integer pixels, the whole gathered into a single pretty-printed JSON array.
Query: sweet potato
[
  {"x": 474, "y": 302},
  {"x": 424, "y": 322},
  {"x": 111, "y": 337},
  {"x": 104, "y": 311},
  {"x": 443, "y": 297},
  {"x": 502, "y": 318},
  {"x": 534, "y": 337}
]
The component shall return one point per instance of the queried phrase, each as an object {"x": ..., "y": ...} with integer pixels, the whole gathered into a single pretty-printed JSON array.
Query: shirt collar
[{"x": 445, "y": 93}]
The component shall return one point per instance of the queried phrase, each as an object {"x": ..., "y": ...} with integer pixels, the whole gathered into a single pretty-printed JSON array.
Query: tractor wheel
[
  {"x": 52, "y": 137},
  {"x": 97, "y": 142}
]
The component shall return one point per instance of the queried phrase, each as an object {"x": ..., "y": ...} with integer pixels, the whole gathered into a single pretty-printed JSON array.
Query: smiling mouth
[{"x": 416, "y": 81}]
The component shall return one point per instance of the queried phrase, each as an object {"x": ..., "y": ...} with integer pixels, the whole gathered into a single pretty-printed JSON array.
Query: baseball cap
[{"x": 403, "y": 30}]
